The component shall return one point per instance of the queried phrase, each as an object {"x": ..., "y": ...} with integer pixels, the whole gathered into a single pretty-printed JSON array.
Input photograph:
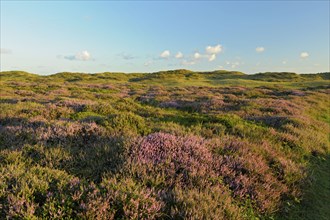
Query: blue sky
[{"x": 145, "y": 36}]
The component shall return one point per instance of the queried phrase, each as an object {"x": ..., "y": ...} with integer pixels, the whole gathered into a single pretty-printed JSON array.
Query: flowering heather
[
  {"x": 188, "y": 156},
  {"x": 40, "y": 132},
  {"x": 167, "y": 145},
  {"x": 183, "y": 159},
  {"x": 76, "y": 105}
]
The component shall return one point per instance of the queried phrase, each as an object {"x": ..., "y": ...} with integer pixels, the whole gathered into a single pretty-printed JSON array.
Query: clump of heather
[
  {"x": 75, "y": 104},
  {"x": 133, "y": 200},
  {"x": 32, "y": 191},
  {"x": 211, "y": 202},
  {"x": 183, "y": 158},
  {"x": 188, "y": 162},
  {"x": 61, "y": 132}
]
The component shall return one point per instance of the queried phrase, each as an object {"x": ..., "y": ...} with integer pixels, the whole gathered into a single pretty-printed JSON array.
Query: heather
[{"x": 166, "y": 145}]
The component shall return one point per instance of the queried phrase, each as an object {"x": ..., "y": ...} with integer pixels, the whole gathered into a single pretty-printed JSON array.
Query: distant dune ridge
[{"x": 180, "y": 74}]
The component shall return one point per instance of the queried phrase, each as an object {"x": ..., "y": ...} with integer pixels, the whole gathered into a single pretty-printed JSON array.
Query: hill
[
  {"x": 183, "y": 77},
  {"x": 166, "y": 145}
]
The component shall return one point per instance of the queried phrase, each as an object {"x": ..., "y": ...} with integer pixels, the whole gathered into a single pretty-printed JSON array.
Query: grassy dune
[{"x": 166, "y": 145}]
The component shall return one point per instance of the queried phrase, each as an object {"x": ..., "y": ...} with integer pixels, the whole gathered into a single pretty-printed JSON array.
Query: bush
[{"x": 127, "y": 123}]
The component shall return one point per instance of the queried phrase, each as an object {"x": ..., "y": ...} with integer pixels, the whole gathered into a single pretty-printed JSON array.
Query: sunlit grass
[{"x": 165, "y": 145}]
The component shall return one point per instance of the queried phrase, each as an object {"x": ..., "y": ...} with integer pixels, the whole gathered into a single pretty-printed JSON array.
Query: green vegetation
[
  {"x": 167, "y": 145},
  {"x": 316, "y": 199}
]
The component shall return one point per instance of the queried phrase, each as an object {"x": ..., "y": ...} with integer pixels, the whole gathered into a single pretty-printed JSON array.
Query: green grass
[
  {"x": 167, "y": 145},
  {"x": 316, "y": 197},
  {"x": 182, "y": 78}
]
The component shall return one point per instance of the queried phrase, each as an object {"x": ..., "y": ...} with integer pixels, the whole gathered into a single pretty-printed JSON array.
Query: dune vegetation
[{"x": 168, "y": 145}]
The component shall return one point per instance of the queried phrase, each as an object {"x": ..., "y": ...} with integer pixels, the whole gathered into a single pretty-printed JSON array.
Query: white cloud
[
  {"x": 260, "y": 49},
  {"x": 213, "y": 50},
  {"x": 179, "y": 55},
  {"x": 233, "y": 64},
  {"x": 148, "y": 63},
  {"x": 5, "y": 51},
  {"x": 126, "y": 56},
  {"x": 212, "y": 57},
  {"x": 82, "y": 56},
  {"x": 187, "y": 63},
  {"x": 165, "y": 54},
  {"x": 197, "y": 55},
  {"x": 304, "y": 55},
  {"x": 284, "y": 62}
]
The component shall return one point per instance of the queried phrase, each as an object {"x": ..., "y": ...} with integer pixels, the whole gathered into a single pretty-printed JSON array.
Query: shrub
[
  {"x": 127, "y": 123},
  {"x": 186, "y": 159}
]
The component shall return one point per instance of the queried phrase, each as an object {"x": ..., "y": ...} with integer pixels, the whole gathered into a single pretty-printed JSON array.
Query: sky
[{"x": 47, "y": 37}]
